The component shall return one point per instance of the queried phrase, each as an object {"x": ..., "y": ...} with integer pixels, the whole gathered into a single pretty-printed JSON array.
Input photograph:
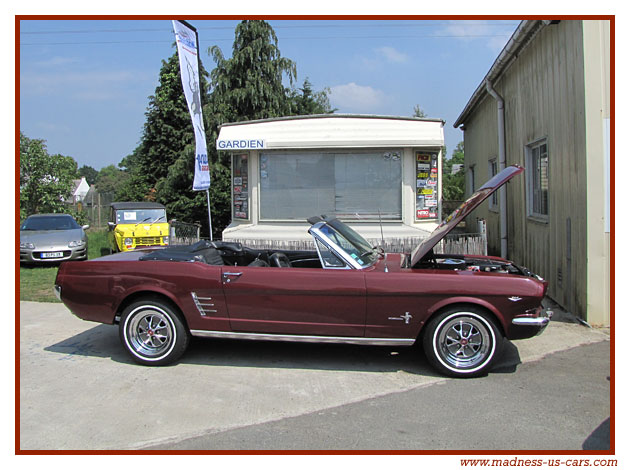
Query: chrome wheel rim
[
  {"x": 464, "y": 342},
  {"x": 150, "y": 332}
]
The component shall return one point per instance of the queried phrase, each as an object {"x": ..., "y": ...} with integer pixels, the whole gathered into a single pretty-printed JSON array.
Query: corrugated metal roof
[{"x": 334, "y": 131}]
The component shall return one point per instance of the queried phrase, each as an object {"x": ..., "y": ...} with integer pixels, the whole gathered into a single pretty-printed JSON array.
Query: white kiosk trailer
[{"x": 372, "y": 172}]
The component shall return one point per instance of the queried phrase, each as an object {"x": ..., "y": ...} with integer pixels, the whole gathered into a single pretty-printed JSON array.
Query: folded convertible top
[{"x": 203, "y": 251}]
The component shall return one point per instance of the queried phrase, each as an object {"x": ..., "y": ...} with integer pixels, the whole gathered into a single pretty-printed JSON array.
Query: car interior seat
[
  {"x": 279, "y": 260},
  {"x": 259, "y": 263}
]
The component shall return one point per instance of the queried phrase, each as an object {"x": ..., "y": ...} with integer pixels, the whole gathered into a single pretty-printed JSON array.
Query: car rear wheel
[
  {"x": 462, "y": 342},
  {"x": 153, "y": 332}
]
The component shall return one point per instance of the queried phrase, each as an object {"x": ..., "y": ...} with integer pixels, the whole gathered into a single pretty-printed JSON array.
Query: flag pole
[
  {"x": 199, "y": 68},
  {"x": 209, "y": 213}
]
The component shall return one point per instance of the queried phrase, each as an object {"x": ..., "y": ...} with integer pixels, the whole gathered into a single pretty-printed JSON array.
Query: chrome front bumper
[{"x": 540, "y": 321}]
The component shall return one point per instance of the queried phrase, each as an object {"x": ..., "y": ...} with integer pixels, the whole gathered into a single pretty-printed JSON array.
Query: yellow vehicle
[{"x": 134, "y": 225}]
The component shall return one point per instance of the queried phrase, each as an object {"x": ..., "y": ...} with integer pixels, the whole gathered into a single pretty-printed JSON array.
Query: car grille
[{"x": 148, "y": 240}]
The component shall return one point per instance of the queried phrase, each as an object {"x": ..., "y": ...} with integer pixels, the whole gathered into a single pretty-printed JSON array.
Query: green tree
[
  {"x": 135, "y": 185},
  {"x": 306, "y": 101},
  {"x": 249, "y": 85},
  {"x": 109, "y": 179},
  {"x": 167, "y": 137},
  {"x": 418, "y": 112},
  {"x": 161, "y": 168},
  {"x": 89, "y": 173},
  {"x": 453, "y": 184},
  {"x": 45, "y": 180}
]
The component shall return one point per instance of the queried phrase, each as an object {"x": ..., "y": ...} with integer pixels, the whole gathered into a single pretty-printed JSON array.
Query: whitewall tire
[
  {"x": 153, "y": 332},
  {"x": 462, "y": 341}
]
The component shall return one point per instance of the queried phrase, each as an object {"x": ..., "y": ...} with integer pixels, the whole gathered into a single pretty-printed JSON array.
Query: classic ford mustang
[{"x": 459, "y": 307}]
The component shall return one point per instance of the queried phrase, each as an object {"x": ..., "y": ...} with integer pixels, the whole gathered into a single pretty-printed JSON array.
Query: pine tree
[
  {"x": 307, "y": 101},
  {"x": 249, "y": 85},
  {"x": 167, "y": 133}
]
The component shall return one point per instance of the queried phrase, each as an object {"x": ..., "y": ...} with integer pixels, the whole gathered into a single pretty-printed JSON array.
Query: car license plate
[{"x": 53, "y": 254}]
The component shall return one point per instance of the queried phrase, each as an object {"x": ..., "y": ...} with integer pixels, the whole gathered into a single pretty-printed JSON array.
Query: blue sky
[{"x": 84, "y": 85}]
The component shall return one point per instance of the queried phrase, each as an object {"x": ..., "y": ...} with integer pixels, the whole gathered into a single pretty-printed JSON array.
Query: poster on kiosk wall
[{"x": 426, "y": 185}]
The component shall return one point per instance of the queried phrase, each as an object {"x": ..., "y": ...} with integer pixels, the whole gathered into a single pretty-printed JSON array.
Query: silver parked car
[{"x": 46, "y": 238}]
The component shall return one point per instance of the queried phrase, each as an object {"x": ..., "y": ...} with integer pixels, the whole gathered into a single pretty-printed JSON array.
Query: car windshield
[
  {"x": 350, "y": 241},
  {"x": 61, "y": 222},
  {"x": 136, "y": 216}
]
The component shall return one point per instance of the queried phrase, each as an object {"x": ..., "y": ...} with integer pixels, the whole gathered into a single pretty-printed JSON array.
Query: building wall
[
  {"x": 544, "y": 98},
  {"x": 597, "y": 112},
  {"x": 481, "y": 144}
]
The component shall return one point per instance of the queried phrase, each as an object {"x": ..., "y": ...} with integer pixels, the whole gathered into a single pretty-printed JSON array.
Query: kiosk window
[{"x": 351, "y": 185}]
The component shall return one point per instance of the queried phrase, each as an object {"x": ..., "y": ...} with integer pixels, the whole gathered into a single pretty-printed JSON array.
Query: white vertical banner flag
[{"x": 186, "y": 38}]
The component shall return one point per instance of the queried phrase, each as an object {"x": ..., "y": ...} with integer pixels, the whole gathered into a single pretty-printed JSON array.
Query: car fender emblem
[
  {"x": 405, "y": 317},
  {"x": 514, "y": 298}
]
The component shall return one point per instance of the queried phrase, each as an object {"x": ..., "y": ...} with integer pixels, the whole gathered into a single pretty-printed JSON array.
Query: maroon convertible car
[{"x": 460, "y": 308}]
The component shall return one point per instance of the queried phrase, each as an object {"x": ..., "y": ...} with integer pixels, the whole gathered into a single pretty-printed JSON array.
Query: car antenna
[{"x": 380, "y": 222}]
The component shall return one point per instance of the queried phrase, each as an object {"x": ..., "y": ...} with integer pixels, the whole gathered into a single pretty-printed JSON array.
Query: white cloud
[
  {"x": 469, "y": 30},
  {"x": 384, "y": 55},
  {"x": 353, "y": 98},
  {"x": 55, "y": 62},
  {"x": 392, "y": 55}
]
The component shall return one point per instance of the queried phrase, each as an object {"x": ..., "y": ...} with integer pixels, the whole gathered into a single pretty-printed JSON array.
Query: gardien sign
[{"x": 240, "y": 144}]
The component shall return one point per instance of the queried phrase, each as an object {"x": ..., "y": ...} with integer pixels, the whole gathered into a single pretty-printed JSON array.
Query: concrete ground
[
  {"x": 553, "y": 403},
  {"x": 80, "y": 390}
]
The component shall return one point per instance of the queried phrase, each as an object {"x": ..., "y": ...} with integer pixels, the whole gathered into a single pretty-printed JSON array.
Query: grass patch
[
  {"x": 98, "y": 244},
  {"x": 36, "y": 282}
]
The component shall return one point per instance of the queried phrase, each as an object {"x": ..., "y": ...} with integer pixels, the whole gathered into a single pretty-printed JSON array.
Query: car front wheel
[
  {"x": 462, "y": 342},
  {"x": 153, "y": 332}
]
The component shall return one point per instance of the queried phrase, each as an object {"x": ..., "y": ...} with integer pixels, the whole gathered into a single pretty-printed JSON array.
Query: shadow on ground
[
  {"x": 103, "y": 341},
  {"x": 599, "y": 439}
]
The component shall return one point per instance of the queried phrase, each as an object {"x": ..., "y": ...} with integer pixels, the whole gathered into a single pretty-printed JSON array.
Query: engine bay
[{"x": 455, "y": 262}]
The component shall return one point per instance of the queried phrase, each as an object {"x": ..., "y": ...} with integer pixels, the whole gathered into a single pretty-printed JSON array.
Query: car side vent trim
[{"x": 203, "y": 304}]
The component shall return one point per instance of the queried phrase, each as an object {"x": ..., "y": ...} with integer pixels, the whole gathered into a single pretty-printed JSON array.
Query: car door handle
[{"x": 227, "y": 277}]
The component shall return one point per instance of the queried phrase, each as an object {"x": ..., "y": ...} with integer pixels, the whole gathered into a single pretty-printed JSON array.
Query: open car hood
[{"x": 463, "y": 211}]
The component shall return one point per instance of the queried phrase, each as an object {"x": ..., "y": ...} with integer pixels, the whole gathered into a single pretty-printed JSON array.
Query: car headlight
[
  {"x": 75, "y": 243},
  {"x": 27, "y": 245},
  {"x": 128, "y": 241},
  {"x": 165, "y": 240}
]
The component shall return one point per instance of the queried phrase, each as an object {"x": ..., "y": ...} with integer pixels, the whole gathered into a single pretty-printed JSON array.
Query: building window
[
  {"x": 538, "y": 180},
  {"x": 356, "y": 185},
  {"x": 471, "y": 179},
  {"x": 493, "y": 169}
]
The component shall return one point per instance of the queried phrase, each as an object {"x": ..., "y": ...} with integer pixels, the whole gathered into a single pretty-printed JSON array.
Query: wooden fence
[
  {"x": 461, "y": 243},
  {"x": 183, "y": 233}
]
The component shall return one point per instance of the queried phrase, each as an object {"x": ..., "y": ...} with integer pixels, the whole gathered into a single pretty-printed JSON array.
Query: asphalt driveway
[{"x": 80, "y": 390}]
